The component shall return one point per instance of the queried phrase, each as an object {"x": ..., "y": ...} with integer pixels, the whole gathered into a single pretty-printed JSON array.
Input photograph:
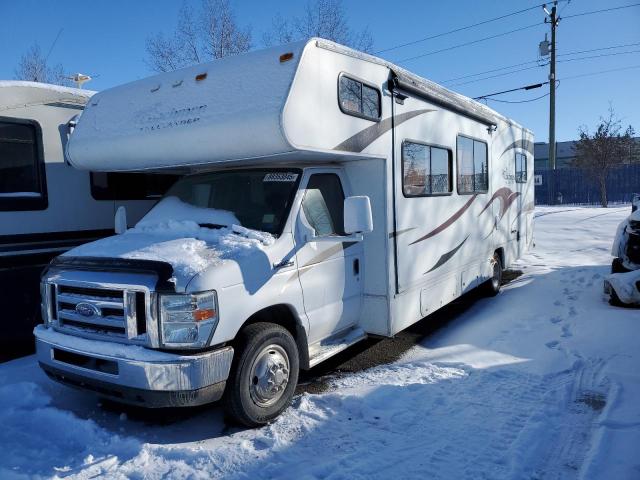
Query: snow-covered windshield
[{"x": 259, "y": 198}]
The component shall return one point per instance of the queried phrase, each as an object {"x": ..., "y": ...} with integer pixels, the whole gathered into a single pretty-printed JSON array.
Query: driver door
[{"x": 329, "y": 268}]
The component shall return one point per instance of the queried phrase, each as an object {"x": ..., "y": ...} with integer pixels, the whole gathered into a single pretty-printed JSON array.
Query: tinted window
[
  {"x": 323, "y": 204},
  {"x": 521, "y": 168},
  {"x": 358, "y": 99},
  {"x": 22, "y": 185},
  {"x": 473, "y": 167},
  {"x": 130, "y": 186},
  {"x": 426, "y": 169}
]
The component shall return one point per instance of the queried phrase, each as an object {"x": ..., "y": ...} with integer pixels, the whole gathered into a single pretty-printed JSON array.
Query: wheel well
[
  {"x": 500, "y": 252},
  {"x": 283, "y": 315}
]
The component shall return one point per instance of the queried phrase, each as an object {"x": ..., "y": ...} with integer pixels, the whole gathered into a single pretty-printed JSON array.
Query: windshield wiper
[{"x": 212, "y": 225}]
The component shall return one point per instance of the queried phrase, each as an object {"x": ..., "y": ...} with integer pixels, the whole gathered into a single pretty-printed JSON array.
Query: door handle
[{"x": 356, "y": 266}]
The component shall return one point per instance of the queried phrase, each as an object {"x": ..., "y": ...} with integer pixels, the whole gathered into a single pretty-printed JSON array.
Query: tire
[
  {"x": 618, "y": 267},
  {"x": 492, "y": 286},
  {"x": 266, "y": 355}
]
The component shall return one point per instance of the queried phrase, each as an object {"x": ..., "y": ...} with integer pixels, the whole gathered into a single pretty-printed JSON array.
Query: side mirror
[
  {"x": 357, "y": 215},
  {"x": 121, "y": 220}
]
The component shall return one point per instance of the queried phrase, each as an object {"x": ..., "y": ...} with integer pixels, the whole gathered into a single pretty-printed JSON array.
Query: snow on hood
[{"x": 171, "y": 233}]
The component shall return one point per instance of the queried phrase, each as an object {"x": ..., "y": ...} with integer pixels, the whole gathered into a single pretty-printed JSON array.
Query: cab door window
[{"x": 323, "y": 204}]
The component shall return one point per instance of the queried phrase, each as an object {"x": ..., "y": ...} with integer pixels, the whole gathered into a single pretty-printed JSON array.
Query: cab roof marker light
[
  {"x": 285, "y": 57},
  {"x": 201, "y": 76}
]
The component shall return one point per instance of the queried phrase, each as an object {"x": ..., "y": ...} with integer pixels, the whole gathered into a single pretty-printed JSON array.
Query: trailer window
[
  {"x": 473, "y": 167},
  {"x": 521, "y": 168},
  {"x": 22, "y": 173},
  {"x": 426, "y": 170},
  {"x": 130, "y": 186},
  {"x": 323, "y": 204},
  {"x": 359, "y": 99}
]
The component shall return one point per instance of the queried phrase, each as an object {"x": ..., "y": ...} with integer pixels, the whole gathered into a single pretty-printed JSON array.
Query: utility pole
[{"x": 552, "y": 18}]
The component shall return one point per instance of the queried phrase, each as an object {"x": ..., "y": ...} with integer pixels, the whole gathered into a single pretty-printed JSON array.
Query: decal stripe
[
  {"x": 400, "y": 232},
  {"x": 523, "y": 144},
  {"x": 506, "y": 196},
  {"x": 361, "y": 140},
  {"x": 450, "y": 221},
  {"x": 321, "y": 257},
  {"x": 446, "y": 257}
]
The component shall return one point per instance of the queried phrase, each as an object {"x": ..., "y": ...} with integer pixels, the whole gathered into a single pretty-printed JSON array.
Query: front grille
[{"x": 116, "y": 314}]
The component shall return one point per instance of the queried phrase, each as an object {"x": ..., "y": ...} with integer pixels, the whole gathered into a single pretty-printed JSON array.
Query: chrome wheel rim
[{"x": 269, "y": 375}]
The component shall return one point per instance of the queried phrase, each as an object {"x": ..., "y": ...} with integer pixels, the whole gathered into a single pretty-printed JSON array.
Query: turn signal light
[
  {"x": 285, "y": 57},
  {"x": 200, "y": 315}
]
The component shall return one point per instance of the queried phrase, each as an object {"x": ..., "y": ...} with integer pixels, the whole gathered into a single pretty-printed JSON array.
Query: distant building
[{"x": 565, "y": 154}]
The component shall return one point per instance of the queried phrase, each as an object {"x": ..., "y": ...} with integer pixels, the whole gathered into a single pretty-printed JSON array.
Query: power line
[
  {"x": 496, "y": 75},
  {"x": 460, "y": 29},
  {"x": 526, "y": 87},
  {"x": 521, "y": 101},
  {"x": 537, "y": 61},
  {"x": 590, "y": 74},
  {"x": 571, "y": 77},
  {"x": 592, "y": 12},
  {"x": 542, "y": 65},
  {"x": 469, "y": 43},
  {"x": 599, "y": 56}
]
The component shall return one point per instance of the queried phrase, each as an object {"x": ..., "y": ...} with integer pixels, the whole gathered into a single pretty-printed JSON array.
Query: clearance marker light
[
  {"x": 201, "y": 77},
  {"x": 285, "y": 57}
]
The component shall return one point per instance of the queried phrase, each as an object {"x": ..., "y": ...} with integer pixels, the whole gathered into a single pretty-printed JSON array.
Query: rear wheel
[
  {"x": 263, "y": 376},
  {"x": 492, "y": 286}
]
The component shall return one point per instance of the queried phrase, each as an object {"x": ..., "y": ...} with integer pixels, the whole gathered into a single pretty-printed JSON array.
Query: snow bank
[
  {"x": 171, "y": 232},
  {"x": 38, "y": 439}
]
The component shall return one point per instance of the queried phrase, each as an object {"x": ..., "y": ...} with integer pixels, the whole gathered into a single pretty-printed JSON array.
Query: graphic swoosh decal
[
  {"x": 321, "y": 257},
  {"x": 446, "y": 257},
  {"x": 523, "y": 144},
  {"x": 400, "y": 232},
  {"x": 448, "y": 222},
  {"x": 506, "y": 196},
  {"x": 366, "y": 137}
]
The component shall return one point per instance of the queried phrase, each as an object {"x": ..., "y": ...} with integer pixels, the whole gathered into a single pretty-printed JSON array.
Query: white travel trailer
[
  {"x": 332, "y": 195},
  {"x": 46, "y": 206}
]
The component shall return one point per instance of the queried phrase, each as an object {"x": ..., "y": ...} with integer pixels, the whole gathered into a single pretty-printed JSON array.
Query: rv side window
[
  {"x": 22, "y": 173},
  {"x": 426, "y": 170},
  {"x": 323, "y": 204},
  {"x": 356, "y": 98},
  {"x": 130, "y": 186},
  {"x": 521, "y": 168},
  {"x": 473, "y": 168}
]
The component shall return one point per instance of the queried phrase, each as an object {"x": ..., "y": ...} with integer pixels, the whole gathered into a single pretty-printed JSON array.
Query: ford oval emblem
[{"x": 87, "y": 310}]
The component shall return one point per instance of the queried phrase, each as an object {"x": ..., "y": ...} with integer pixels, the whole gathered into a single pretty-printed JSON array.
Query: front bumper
[{"x": 133, "y": 374}]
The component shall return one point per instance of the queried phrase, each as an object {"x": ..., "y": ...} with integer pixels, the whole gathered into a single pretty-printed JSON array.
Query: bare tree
[
  {"x": 33, "y": 67},
  {"x": 598, "y": 153},
  {"x": 201, "y": 35},
  {"x": 322, "y": 18}
]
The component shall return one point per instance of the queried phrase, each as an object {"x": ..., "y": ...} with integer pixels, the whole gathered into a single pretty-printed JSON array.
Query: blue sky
[{"x": 107, "y": 38}]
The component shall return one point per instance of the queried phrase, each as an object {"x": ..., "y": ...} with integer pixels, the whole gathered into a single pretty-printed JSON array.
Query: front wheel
[
  {"x": 492, "y": 286},
  {"x": 263, "y": 376}
]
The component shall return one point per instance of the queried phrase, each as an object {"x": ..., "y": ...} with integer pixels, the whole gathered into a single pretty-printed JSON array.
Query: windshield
[{"x": 259, "y": 199}]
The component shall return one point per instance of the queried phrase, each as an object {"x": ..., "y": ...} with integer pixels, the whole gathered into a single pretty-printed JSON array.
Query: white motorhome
[
  {"x": 331, "y": 195},
  {"x": 46, "y": 206}
]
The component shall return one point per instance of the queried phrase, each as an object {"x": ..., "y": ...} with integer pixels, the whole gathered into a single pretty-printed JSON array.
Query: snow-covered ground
[{"x": 542, "y": 381}]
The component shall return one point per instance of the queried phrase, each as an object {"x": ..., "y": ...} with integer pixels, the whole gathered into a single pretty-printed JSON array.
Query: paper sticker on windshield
[{"x": 280, "y": 177}]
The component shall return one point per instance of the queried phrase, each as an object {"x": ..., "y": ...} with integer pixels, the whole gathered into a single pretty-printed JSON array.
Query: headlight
[{"x": 188, "y": 320}]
